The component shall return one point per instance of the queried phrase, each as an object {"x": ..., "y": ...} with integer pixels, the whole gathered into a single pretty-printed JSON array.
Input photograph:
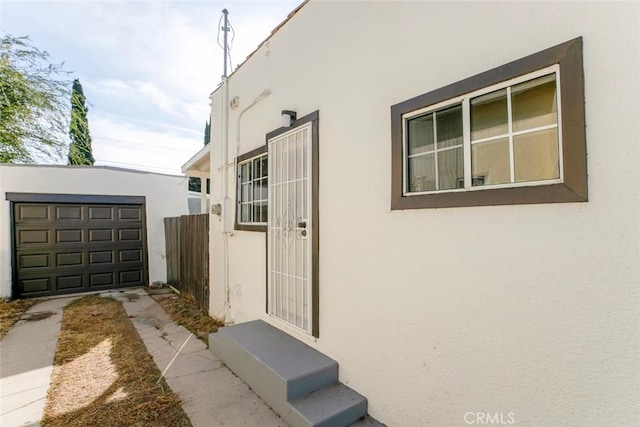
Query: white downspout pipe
[{"x": 224, "y": 192}]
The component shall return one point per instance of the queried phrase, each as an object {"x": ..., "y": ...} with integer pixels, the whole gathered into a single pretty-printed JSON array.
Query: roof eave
[{"x": 197, "y": 162}]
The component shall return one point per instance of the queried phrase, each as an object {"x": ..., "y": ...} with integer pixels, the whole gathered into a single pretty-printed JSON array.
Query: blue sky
[{"x": 147, "y": 66}]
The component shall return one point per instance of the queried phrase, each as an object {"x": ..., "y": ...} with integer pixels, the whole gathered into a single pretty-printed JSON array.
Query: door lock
[{"x": 302, "y": 224}]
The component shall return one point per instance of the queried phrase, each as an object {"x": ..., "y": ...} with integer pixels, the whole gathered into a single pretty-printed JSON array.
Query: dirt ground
[
  {"x": 103, "y": 374},
  {"x": 184, "y": 311},
  {"x": 10, "y": 312}
]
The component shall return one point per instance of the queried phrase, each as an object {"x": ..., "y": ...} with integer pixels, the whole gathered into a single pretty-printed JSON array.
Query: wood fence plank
[{"x": 187, "y": 240}]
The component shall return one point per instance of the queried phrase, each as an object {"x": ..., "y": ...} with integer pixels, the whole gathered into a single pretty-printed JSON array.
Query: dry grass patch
[
  {"x": 10, "y": 312},
  {"x": 103, "y": 374},
  {"x": 184, "y": 311}
]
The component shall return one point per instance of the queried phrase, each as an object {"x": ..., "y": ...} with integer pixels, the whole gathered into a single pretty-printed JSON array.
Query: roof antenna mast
[{"x": 225, "y": 28}]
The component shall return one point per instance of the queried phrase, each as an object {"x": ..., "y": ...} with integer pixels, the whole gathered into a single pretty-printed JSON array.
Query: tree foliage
[
  {"x": 80, "y": 147},
  {"x": 207, "y": 132},
  {"x": 33, "y": 109}
]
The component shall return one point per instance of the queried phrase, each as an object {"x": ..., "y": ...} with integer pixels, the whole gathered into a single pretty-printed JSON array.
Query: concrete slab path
[
  {"x": 211, "y": 394},
  {"x": 26, "y": 363}
]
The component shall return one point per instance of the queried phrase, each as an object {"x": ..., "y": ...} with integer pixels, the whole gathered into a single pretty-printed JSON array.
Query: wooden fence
[{"x": 187, "y": 244}]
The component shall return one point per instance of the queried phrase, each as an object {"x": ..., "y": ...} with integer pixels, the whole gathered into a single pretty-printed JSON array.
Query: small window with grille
[{"x": 252, "y": 192}]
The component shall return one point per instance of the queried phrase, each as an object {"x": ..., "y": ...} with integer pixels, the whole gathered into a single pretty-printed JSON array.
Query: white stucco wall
[
  {"x": 531, "y": 310},
  {"x": 165, "y": 195}
]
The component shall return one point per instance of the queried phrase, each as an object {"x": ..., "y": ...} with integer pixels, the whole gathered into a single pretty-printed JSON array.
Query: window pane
[
  {"x": 534, "y": 103},
  {"x": 490, "y": 162},
  {"x": 262, "y": 193},
  {"x": 489, "y": 115},
  {"x": 422, "y": 173},
  {"x": 263, "y": 213},
  {"x": 264, "y": 166},
  {"x": 244, "y": 172},
  {"x": 257, "y": 172},
  {"x": 536, "y": 156},
  {"x": 449, "y": 127},
  {"x": 245, "y": 213},
  {"x": 260, "y": 212},
  {"x": 450, "y": 168},
  {"x": 420, "y": 134},
  {"x": 257, "y": 193},
  {"x": 245, "y": 192}
]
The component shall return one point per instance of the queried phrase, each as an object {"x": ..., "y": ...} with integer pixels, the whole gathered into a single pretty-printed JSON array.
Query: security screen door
[{"x": 289, "y": 223}]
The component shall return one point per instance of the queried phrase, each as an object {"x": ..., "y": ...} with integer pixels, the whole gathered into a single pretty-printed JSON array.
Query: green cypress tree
[
  {"x": 207, "y": 133},
  {"x": 80, "y": 147}
]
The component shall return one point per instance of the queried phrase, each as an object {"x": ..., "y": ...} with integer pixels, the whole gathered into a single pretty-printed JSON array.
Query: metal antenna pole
[{"x": 225, "y": 28}]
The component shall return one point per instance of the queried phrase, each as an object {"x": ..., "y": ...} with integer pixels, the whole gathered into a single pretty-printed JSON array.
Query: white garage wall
[
  {"x": 433, "y": 313},
  {"x": 166, "y": 196}
]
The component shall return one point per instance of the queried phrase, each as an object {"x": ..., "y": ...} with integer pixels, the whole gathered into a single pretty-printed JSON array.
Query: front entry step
[
  {"x": 297, "y": 381},
  {"x": 335, "y": 405}
]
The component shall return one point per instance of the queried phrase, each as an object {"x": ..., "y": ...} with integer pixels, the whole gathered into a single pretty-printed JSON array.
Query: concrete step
[
  {"x": 367, "y": 421},
  {"x": 297, "y": 381},
  {"x": 335, "y": 405}
]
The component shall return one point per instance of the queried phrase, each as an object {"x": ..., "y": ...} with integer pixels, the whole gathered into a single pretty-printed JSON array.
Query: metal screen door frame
[{"x": 300, "y": 232}]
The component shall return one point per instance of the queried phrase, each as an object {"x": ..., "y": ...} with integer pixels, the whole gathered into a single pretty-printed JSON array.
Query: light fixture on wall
[{"x": 288, "y": 117}]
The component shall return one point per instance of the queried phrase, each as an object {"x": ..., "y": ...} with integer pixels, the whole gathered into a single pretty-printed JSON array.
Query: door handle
[{"x": 302, "y": 224}]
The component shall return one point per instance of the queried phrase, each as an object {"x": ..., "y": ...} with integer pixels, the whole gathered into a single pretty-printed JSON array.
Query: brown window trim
[
  {"x": 246, "y": 156},
  {"x": 568, "y": 56},
  {"x": 315, "y": 237}
]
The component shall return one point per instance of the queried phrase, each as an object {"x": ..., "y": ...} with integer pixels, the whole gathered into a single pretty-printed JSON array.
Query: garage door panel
[
  {"x": 102, "y": 279},
  {"x": 34, "y": 261},
  {"x": 39, "y": 285},
  {"x": 33, "y": 237},
  {"x": 101, "y": 235},
  {"x": 100, "y": 257},
  {"x": 100, "y": 213},
  {"x": 130, "y": 214},
  {"x": 69, "y": 213},
  {"x": 130, "y": 277},
  {"x": 36, "y": 212},
  {"x": 70, "y": 282},
  {"x": 129, "y": 234},
  {"x": 69, "y": 236},
  {"x": 130, "y": 255},
  {"x": 69, "y": 259},
  {"x": 66, "y": 248}
]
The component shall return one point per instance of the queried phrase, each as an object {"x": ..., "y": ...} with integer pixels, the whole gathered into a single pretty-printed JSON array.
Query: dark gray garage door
[{"x": 65, "y": 247}]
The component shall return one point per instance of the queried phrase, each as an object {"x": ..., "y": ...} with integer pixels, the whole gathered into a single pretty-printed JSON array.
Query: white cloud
[
  {"x": 147, "y": 67},
  {"x": 134, "y": 145},
  {"x": 144, "y": 95}
]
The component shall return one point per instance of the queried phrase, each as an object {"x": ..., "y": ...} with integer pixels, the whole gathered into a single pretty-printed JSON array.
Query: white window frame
[
  {"x": 239, "y": 184},
  {"x": 465, "y": 101}
]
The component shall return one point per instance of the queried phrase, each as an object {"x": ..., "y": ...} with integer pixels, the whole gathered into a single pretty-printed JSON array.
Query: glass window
[
  {"x": 513, "y": 138},
  {"x": 514, "y": 134},
  {"x": 435, "y": 150},
  {"x": 253, "y": 191}
]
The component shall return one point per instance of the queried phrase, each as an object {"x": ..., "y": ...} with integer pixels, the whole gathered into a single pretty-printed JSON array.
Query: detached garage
[
  {"x": 77, "y": 243},
  {"x": 77, "y": 229}
]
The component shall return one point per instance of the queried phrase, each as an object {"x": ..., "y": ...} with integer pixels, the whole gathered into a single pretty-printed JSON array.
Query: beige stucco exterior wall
[
  {"x": 531, "y": 310},
  {"x": 165, "y": 195}
]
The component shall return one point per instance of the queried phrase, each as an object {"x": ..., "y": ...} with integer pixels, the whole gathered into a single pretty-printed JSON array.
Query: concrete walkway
[
  {"x": 211, "y": 394},
  {"x": 26, "y": 362}
]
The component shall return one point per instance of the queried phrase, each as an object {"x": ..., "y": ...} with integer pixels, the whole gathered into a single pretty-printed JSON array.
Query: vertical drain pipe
[
  {"x": 225, "y": 194},
  {"x": 225, "y": 150}
]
